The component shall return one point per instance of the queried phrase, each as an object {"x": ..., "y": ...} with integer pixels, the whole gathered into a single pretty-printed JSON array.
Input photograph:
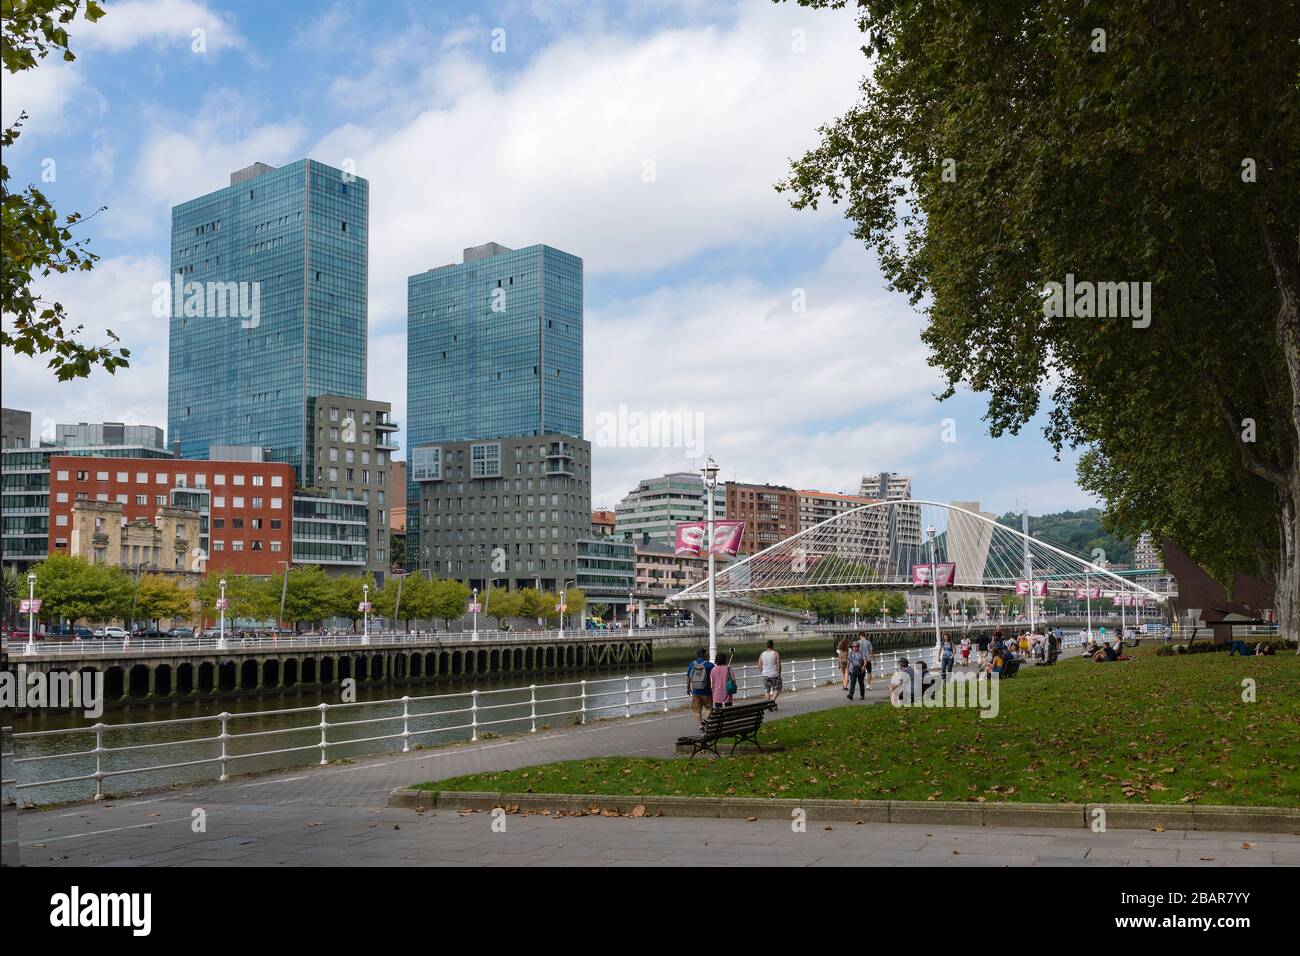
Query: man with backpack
[
  {"x": 857, "y": 671},
  {"x": 697, "y": 680}
]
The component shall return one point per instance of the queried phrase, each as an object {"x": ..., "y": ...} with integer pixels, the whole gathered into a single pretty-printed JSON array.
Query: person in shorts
[
  {"x": 769, "y": 663},
  {"x": 701, "y": 688}
]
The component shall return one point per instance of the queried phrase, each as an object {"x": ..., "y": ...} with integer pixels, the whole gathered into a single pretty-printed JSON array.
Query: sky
[{"x": 646, "y": 138}]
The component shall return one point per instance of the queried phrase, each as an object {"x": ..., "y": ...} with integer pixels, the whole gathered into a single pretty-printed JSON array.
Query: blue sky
[{"x": 644, "y": 138}]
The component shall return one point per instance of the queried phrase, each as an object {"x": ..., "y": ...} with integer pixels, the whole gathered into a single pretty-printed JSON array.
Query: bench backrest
[{"x": 743, "y": 717}]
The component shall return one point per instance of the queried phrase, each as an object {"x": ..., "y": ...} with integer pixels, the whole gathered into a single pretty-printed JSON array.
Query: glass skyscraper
[
  {"x": 493, "y": 351},
  {"x": 268, "y": 307}
]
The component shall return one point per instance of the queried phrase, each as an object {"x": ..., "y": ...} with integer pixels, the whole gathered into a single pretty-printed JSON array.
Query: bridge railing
[
  {"x": 89, "y": 758},
  {"x": 94, "y": 647}
]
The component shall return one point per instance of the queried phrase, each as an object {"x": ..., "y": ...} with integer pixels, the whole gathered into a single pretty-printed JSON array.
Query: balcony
[
  {"x": 385, "y": 424},
  {"x": 385, "y": 442},
  {"x": 560, "y": 449}
]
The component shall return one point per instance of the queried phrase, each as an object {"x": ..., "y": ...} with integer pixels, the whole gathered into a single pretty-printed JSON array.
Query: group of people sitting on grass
[{"x": 1103, "y": 649}]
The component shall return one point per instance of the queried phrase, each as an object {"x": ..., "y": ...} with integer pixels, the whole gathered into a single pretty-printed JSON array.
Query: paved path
[{"x": 336, "y": 815}]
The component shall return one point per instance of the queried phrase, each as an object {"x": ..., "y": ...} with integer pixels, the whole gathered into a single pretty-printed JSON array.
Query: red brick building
[
  {"x": 245, "y": 507},
  {"x": 770, "y": 513}
]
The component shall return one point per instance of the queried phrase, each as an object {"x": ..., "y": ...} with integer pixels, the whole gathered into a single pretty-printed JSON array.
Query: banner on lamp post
[
  {"x": 1037, "y": 588},
  {"x": 364, "y": 606},
  {"x": 690, "y": 539},
  {"x": 943, "y": 576},
  {"x": 1084, "y": 593},
  {"x": 223, "y": 604},
  {"x": 726, "y": 537},
  {"x": 30, "y": 606}
]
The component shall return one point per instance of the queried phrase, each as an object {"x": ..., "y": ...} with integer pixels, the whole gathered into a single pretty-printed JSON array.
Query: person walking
[
  {"x": 721, "y": 681},
  {"x": 842, "y": 655},
  {"x": 945, "y": 658},
  {"x": 868, "y": 654},
  {"x": 769, "y": 663},
  {"x": 857, "y": 670},
  {"x": 965, "y": 650},
  {"x": 697, "y": 679}
]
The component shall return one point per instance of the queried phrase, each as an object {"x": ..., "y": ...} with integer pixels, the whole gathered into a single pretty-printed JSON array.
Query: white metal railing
[
  {"x": 94, "y": 647},
  {"x": 473, "y": 713},
  {"x": 583, "y": 700}
]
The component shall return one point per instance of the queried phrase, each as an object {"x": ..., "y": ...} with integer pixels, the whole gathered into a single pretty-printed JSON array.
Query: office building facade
[
  {"x": 657, "y": 505},
  {"x": 25, "y": 502},
  {"x": 350, "y": 446},
  {"x": 510, "y": 512},
  {"x": 243, "y": 509},
  {"x": 494, "y": 354},
  {"x": 267, "y": 307}
]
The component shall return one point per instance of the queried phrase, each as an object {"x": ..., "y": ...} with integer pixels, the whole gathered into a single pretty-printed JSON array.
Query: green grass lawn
[{"x": 1153, "y": 730}]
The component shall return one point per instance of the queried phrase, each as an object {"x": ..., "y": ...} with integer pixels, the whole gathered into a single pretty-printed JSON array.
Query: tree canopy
[{"x": 999, "y": 148}]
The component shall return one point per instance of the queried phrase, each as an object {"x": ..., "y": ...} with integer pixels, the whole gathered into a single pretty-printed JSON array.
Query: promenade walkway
[{"x": 336, "y": 815}]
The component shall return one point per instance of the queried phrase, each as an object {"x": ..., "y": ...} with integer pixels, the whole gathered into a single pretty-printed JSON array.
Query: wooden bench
[{"x": 739, "y": 722}]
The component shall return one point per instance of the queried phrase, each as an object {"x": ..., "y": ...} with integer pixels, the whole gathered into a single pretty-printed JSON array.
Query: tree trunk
[{"x": 1284, "y": 257}]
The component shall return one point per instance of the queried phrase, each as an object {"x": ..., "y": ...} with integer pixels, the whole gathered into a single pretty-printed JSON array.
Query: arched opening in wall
[
  {"x": 162, "y": 680},
  {"x": 91, "y": 684},
  {"x": 457, "y": 663},
  {"x": 271, "y": 673},
  {"x": 495, "y": 661},
  {"x": 345, "y": 668},
  {"x": 529, "y": 659},
  {"x": 114, "y": 684},
  {"x": 248, "y": 675},
  {"x": 569, "y": 656},
  {"x": 139, "y": 682},
  {"x": 309, "y": 670},
  {"x": 291, "y": 672},
  {"x": 417, "y": 665},
  {"x": 517, "y": 656},
  {"x": 550, "y": 657},
  {"x": 443, "y": 664},
  {"x": 227, "y": 676},
  {"x": 377, "y": 667},
  {"x": 361, "y": 668},
  {"x": 184, "y": 679},
  {"x": 206, "y": 677},
  {"x": 481, "y": 662}
]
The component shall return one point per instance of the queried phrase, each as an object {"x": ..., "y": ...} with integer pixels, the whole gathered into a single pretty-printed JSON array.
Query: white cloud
[
  {"x": 43, "y": 93},
  {"x": 133, "y": 23},
  {"x": 118, "y": 295},
  {"x": 556, "y": 151}
]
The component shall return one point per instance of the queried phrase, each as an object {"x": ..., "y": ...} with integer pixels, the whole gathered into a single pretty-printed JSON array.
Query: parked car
[
  {"x": 110, "y": 633},
  {"x": 149, "y": 633},
  {"x": 181, "y": 632}
]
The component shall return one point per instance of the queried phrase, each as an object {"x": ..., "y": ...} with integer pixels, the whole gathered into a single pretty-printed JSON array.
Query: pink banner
[
  {"x": 945, "y": 574},
  {"x": 1039, "y": 588},
  {"x": 1082, "y": 593},
  {"x": 726, "y": 537},
  {"x": 690, "y": 538}
]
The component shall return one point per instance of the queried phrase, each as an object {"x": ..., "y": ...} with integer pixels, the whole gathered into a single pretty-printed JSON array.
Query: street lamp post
[
  {"x": 934, "y": 584},
  {"x": 631, "y": 618},
  {"x": 221, "y": 607},
  {"x": 31, "y": 613},
  {"x": 365, "y": 614},
  {"x": 474, "y": 611},
  {"x": 710, "y": 485}
]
